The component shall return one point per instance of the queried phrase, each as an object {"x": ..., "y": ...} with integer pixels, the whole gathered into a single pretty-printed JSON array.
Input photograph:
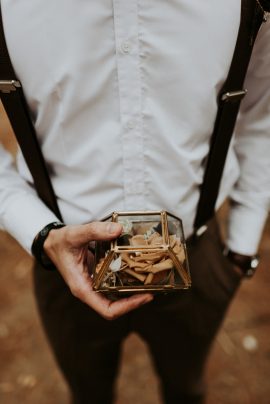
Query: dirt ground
[{"x": 239, "y": 367}]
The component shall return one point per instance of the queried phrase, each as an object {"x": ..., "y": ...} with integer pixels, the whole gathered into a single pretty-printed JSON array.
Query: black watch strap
[
  {"x": 38, "y": 243},
  {"x": 247, "y": 264}
]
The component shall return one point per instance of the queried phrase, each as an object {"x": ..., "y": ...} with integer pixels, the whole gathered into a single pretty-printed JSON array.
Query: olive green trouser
[{"x": 178, "y": 328}]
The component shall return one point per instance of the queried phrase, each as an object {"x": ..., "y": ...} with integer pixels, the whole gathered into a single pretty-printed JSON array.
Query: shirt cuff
[
  {"x": 245, "y": 227},
  {"x": 25, "y": 217}
]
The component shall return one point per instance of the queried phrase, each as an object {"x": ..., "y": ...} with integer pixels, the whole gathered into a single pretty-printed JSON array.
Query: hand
[
  {"x": 67, "y": 248},
  {"x": 244, "y": 265}
]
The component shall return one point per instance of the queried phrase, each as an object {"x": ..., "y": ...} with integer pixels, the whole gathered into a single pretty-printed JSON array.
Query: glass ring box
[{"x": 149, "y": 255}]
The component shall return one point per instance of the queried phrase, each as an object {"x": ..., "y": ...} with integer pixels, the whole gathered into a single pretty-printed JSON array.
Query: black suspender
[
  {"x": 231, "y": 94},
  {"x": 11, "y": 93},
  {"x": 14, "y": 102}
]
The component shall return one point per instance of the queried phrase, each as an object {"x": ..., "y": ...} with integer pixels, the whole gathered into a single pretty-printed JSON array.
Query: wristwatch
[
  {"x": 248, "y": 264},
  {"x": 38, "y": 243}
]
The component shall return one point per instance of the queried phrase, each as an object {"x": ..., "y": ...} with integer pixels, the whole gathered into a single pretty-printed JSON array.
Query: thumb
[{"x": 95, "y": 231}]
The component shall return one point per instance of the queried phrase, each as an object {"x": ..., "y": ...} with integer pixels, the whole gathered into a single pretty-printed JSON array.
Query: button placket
[{"x": 126, "y": 36}]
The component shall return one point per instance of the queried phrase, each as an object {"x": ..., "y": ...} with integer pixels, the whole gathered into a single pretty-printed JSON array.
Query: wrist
[
  {"x": 246, "y": 263},
  {"x": 50, "y": 241},
  {"x": 41, "y": 243}
]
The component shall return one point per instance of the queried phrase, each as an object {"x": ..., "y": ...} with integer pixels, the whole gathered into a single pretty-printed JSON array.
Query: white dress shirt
[{"x": 123, "y": 97}]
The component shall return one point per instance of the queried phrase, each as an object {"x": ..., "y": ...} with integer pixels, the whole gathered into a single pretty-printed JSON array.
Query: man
[{"x": 123, "y": 97}]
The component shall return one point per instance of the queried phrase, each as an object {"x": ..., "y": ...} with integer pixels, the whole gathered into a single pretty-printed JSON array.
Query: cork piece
[
  {"x": 135, "y": 275},
  {"x": 149, "y": 257},
  {"x": 138, "y": 240},
  {"x": 149, "y": 279},
  {"x": 162, "y": 266}
]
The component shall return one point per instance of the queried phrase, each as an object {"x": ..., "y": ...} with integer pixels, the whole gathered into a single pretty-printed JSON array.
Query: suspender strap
[
  {"x": 17, "y": 111},
  {"x": 231, "y": 94}
]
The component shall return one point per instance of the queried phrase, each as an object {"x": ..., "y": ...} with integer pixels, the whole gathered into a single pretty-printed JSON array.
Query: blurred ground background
[{"x": 239, "y": 367}]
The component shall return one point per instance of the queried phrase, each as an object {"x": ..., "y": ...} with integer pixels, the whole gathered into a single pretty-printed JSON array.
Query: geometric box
[{"x": 149, "y": 256}]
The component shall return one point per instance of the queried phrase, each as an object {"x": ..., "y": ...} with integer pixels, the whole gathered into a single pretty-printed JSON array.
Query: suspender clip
[
  {"x": 7, "y": 86},
  {"x": 233, "y": 95}
]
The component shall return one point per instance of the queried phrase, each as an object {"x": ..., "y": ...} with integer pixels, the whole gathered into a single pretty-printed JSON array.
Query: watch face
[
  {"x": 246, "y": 263},
  {"x": 254, "y": 262}
]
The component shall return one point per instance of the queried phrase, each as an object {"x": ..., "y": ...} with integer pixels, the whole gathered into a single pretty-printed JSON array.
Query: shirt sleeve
[
  {"x": 22, "y": 213},
  {"x": 250, "y": 197}
]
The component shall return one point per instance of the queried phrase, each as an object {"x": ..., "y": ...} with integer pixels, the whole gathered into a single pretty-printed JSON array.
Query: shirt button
[
  {"x": 125, "y": 47},
  {"x": 131, "y": 124}
]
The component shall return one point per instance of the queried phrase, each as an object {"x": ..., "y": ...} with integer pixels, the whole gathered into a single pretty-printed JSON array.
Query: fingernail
[{"x": 113, "y": 228}]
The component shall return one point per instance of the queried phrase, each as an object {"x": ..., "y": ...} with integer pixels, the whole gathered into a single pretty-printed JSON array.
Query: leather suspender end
[
  {"x": 7, "y": 86},
  {"x": 199, "y": 232}
]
